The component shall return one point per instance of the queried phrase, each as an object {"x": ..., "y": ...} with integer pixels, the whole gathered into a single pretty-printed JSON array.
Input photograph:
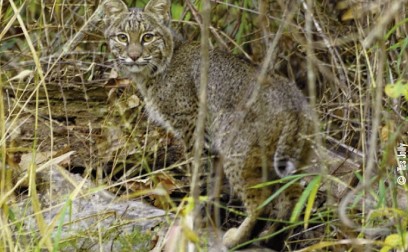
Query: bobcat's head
[{"x": 140, "y": 39}]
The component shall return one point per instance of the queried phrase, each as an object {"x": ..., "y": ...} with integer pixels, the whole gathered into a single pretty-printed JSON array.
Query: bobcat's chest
[{"x": 156, "y": 114}]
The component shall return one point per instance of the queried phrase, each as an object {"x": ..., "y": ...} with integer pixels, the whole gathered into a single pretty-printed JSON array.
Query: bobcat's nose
[
  {"x": 134, "y": 56},
  {"x": 134, "y": 52}
]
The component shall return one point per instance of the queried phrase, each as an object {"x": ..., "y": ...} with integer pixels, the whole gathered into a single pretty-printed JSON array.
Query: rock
[{"x": 80, "y": 215}]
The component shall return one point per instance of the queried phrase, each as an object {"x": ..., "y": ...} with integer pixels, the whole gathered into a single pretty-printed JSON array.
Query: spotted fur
[{"x": 256, "y": 143}]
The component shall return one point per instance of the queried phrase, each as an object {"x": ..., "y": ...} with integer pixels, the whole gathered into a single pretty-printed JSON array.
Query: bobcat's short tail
[
  {"x": 291, "y": 146},
  {"x": 284, "y": 166}
]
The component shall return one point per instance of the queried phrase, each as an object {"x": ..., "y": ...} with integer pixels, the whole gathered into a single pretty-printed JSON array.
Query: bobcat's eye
[
  {"x": 148, "y": 37},
  {"x": 122, "y": 38}
]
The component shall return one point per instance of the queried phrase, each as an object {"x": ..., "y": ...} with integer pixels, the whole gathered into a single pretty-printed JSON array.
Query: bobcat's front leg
[{"x": 189, "y": 137}]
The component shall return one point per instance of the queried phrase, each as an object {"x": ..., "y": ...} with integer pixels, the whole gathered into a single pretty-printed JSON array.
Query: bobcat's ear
[
  {"x": 113, "y": 7},
  {"x": 159, "y": 9}
]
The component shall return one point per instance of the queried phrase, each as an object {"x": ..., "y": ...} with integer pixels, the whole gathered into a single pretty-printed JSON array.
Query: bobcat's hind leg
[
  {"x": 235, "y": 236},
  {"x": 237, "y": 175},
  {"x": 281, "y": 209}
]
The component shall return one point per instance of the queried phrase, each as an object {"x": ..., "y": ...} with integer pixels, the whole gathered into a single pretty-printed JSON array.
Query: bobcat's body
[{"x": 167, "y": 73}]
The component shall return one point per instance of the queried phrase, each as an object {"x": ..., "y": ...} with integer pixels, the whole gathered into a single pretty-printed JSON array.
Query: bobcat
[{"x": 166, "y": 72}]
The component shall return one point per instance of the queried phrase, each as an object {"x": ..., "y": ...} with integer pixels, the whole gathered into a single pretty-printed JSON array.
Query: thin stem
[{"x": 200, "y": 126}]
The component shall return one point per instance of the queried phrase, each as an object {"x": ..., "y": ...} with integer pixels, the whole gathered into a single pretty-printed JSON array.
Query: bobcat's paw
[
  {"x": 231, "y": 238},
  {"x": 265, "y": 241}
]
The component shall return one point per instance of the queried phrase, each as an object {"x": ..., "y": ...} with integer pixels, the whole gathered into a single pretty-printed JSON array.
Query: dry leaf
[
  {"x": 133, "y": 101},
  {"x": 113, "y": 74},
  {"x": 22, "y": 75}
]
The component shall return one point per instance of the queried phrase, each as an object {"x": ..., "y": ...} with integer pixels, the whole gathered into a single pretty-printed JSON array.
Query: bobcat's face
[{"x": 139, "y": 39}]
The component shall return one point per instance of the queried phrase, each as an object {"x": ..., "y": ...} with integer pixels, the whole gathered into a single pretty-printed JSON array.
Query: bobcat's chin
[
  {"x": 135, "y": 68},
  {"x": 146, "y": 70}
]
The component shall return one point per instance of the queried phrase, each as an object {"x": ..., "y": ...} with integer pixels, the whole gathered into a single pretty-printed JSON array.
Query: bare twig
[
  {"x": 368, "y": 172},
  {"x": 269, "y": 59},
  {"x": 200, "y": 126},
  {"x": 199, "y": 20}
]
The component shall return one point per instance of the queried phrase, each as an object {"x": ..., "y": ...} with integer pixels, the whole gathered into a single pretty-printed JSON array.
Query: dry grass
[{"x": 350, "y": 58}]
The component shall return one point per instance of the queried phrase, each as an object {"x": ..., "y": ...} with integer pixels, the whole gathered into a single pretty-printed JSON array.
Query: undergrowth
[{"x": 350, "y": 58}]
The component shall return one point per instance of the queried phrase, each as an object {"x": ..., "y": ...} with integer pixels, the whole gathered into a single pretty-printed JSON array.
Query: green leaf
[
  {"x": 176, "y": 11},
  {"x": 382, "y": 193},
  {"x": 393, "y": 241},
  {"x": 305, "y": 195},
  {"x": 57, "y": 238},
  {"x": 395, "y": 27},
  {"x": 397, "y": 89},
  {"x": 282, "y": 180},
  {"x": 279, "y": 191},
  {"x": 314, "y": 184}
]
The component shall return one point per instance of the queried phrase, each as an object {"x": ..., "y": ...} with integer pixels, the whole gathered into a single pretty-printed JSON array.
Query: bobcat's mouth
[
  {"x": 139, "y": 64},
  {"x": 135, "y": 66}
]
